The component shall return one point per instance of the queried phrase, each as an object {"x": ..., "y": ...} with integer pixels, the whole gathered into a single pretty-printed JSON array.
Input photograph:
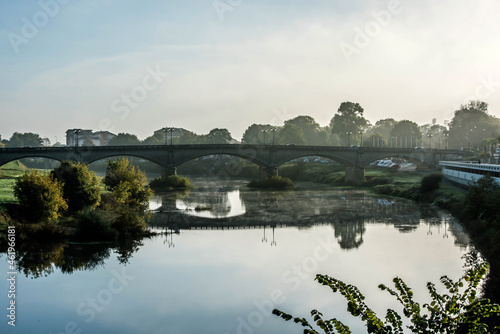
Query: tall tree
[
  {"x": 256, "y": 134},
  {"x": 349, "y": 122},
  {"x": 471, "y": 124},
  {"x": 219, "y": 136},
  {"x": 313, "y": 133},
  {"x": 405, "y": 134},
  {"x": 290, "y": 134}
]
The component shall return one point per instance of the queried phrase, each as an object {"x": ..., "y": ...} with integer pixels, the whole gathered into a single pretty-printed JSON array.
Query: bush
[
  {"x": 272, "y": 182},
  {"x": 170, "y": 182},
  {"x": 81, "y": 188},
  {"x": 40, "y": 197},
  {"x": 457, "y": 311},
  {"x": 482, "y": 200},
  {"x": 430, "y": 182},
  {"x": 127, "y": 184}
]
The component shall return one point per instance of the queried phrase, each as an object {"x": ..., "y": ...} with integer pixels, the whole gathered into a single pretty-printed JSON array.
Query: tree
[
  {"x": 127, "y": 184},
  {"x": 25, "y": 139},
  {"x": 457, "y": 311},
  {"x": 348, "y": 122},
  {"x": 313, "y": 133},
  {"x": 124, "y": 139},
  {"x": 405, "y": 134},
  {"x": 156, "y": 139},
  {"x": 255, "y": 135},
  {"x": 219, "y": 136},
  {"x": 383, "y": 127},
  {"x": 375, "y": 140},
  {"x": 2, "y": 145},
  {"x": 291, "y": 134},
  {"x": 81, "y": 187},
  {"x": 470, "y": 124},
  {"x": 40, "y": 197}
]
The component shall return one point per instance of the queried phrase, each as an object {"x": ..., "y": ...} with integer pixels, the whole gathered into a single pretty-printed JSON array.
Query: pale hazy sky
[{"x": 137, "y": 66}]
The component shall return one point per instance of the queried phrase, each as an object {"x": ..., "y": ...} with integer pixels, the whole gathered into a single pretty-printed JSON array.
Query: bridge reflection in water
[{"x": 348, "y": 212}]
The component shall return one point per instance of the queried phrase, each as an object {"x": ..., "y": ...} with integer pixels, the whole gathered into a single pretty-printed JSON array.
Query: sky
[{"x": 138, "y": 66}]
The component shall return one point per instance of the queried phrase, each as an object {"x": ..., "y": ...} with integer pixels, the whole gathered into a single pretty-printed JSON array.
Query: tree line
[{"x": 471, "y": 128}]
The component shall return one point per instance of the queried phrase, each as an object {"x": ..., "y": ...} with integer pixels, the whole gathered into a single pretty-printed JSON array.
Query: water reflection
[{"x": 37, "y": 260}]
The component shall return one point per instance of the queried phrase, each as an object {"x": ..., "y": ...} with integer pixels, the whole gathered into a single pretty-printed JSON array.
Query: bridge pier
[
  {"x": 267, "y": 172},
  {"x": 354, "y": 174},
  {"x": 167, "y": 171}
]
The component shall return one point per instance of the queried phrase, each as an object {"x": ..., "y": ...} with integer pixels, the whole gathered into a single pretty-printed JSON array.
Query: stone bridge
[{"x": 267, "y": 157}]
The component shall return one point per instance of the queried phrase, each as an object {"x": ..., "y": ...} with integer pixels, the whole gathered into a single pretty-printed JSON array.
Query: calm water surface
[{"x": 229, "y": 255}]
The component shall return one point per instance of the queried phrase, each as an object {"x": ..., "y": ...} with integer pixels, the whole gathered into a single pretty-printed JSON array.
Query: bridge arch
[
  {"x": 340, "y": 160},
  {"x": 29, "y": 156}
]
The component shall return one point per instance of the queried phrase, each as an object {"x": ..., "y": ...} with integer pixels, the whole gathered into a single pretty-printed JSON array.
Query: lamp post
[
  {"x": 430, "y": 141},
  {"x": 264, "y": 130},
  {"x": 445, "y": 135},
  {"x": 348, "y": 133},
  {"x": 361, "y": 133},
  {"x": 273, "y": 129},
  {"x": 76, "y": 132}
]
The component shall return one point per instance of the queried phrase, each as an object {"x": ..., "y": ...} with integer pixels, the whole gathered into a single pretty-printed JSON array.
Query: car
[
  {"x": 291, "y": 144},
  {"x": 354, "y": 147},
  {"x": 419, "y": 148}
]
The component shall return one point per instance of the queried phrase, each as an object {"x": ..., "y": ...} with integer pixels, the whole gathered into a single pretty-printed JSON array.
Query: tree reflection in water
[{"x": 37, "y": 260}]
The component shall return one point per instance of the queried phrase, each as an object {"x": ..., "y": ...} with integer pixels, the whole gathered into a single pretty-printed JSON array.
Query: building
[{"x": 88, "y": 137}]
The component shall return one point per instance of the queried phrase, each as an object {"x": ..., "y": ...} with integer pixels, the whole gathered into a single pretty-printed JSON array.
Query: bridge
[{"x": 267, "y": 157}]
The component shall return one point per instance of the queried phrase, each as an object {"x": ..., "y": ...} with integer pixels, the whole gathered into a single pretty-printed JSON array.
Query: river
[{"x": 228, "y": 255}]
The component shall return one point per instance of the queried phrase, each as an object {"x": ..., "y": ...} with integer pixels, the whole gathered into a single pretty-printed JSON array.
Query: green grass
[{"x": 8, "y": 175}]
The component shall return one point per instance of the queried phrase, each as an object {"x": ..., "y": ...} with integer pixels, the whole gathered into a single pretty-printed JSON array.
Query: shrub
[
  {"x": 40, "y": 197},
  {"x": 170, "y": 182},
  {"x": 272, "y": 182},
  {"x": 456, "y": 311},
  {"x": 430, "y": 182},
  {"x": 81, "y": 188},
  {"x": 128, "y": 184}
]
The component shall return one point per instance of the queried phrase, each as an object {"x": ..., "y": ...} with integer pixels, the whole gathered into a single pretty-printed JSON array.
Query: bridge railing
[{"x": 227, "y": 146}]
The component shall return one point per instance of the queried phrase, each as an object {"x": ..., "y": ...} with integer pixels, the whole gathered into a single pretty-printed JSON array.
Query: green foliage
[
  {"x": 170, "y": 182},
  {"x": 349, "y": 118},
  {"x": 272, "y": 182},
  {"x": 124, "y": 139},
  {"x": 482, "y": 200},
  {"x": 40, "y": 197},
  {"x": 456, "y": 311},
  {"x": 291, "y": 134},
  {"x": 128, "y": 184},
  {"x": 25, "y": 139},
  {"x": 430, "y": 182},
  {"x": 81, "y": 188},
  {"x": 219, "y": 136}
]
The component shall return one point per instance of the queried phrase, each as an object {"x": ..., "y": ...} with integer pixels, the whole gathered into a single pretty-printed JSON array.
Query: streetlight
[
  {"x": 76, "y": 132},
  {"x": 361, "y": 133},
  {"x": 273, "y": 129},
  {"x": 348, "y": 133},
  {"x": 445, "y": 135},
  {"x": 171, "y": 130},
  {"x": 430, "y": 141},
  {"x": 264, "y": 130}
]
